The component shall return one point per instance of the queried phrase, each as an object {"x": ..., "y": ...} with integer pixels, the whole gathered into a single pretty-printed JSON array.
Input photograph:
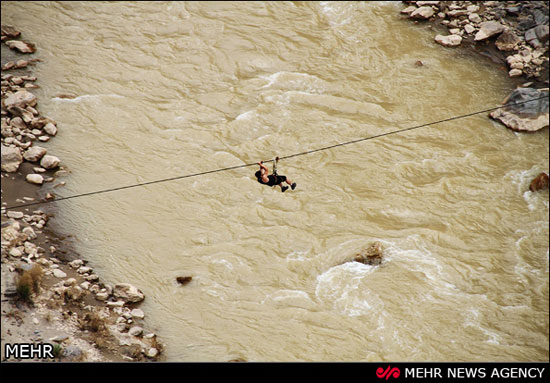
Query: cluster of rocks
[
  {"x": 98, "y": 321},
  {"x": 16, "y": 239},
  {"x": 21, "y": 123},
  {"x": 514, "y": 33},
  {"x": 73, "y": 285},
  {"x": 9, "y": 34},
  {"x": 519, "y": 30}
]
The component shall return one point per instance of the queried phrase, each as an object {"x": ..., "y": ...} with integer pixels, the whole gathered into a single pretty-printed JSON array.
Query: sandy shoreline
[
  {"x": 70, "y": 307},
  {"x": 73, "y": 307}
]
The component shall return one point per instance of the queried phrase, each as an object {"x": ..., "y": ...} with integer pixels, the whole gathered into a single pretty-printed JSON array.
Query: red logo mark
[{"x": 393, "y": 372}]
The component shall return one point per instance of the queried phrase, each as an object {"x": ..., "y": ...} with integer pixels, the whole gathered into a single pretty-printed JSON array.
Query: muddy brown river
[{"x": 173, "y": 88}]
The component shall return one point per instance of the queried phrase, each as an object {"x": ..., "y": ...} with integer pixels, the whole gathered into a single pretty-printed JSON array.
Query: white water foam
[
  {"x": 246, "y": 115},
  {"x": 290, "y": 298},
  {"x": 86, "y": 97},
  {"x": 340, "y": 286},
  {"x": 337, "y": 14},
  {"x": 295, "y": 81},
  {"x": 473, "y": 320}
]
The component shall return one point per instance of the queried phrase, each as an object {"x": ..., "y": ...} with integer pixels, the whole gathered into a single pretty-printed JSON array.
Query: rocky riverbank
[
  {"x": 515, "y": 35},
  {"x": 49, "y": 295}
]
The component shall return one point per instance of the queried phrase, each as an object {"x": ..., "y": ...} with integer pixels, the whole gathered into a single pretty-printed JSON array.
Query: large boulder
[
  {"x": 537, "y": 36},
  {"x": 539, "y": 182},
  {"x": 21, "y": 98},
  {"x": 528, "y": 116},
  {"x": 34, "y": 153},
  {"x": 489, "y": 29},
  {"x": 21, "y": 46},
  {"x": 11, "y": 159},
  {"x": 128, "y": 293},
  {"x": 372, "y": 255}
]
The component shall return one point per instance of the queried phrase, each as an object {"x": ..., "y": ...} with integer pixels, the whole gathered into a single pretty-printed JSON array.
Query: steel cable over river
[
  {"x": 174, "y": 88},
  {"x": 266, "y": 161}
]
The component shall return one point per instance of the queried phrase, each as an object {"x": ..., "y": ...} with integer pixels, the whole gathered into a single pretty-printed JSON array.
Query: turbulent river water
[{"x": 172, "y": 88}]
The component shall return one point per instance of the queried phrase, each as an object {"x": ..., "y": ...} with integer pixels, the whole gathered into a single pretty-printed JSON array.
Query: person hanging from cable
[{"x": 274, "y": 179}]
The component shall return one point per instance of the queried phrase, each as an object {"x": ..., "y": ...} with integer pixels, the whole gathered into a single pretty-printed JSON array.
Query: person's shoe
[
  {"x": 293, "y": 186},
  {"x": 284, "y": 188}
]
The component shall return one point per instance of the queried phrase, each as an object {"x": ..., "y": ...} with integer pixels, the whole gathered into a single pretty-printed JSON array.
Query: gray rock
[
  {"x": 11, "y": 159},
  {"x": 76, "y": 263},
  {"x": 530, "y": 116},
  {"x": 15, "y": 252},
  {"x": 457, "y": 12},
  {"x": 448, "y": 41},
  {"x": 21, "y": 112},
  {"x": 488, "y": 29},
  {"x": 128, "y": 293},
  {"x": 408, "y": 10},
  {"x": 58, "y": 273},
  {"x": 422, "y": 13},
  {"x": 10, "y": 31},
  {"x": 137, "y": 313},
  {"x": 21, "y": 46},
  {"x": 102, "y": 296},
  {"x": 542, "y": 33},
  {"x": 50, "y": 128},
  {"x": 21, "y": 98},
  {"x": 35, "y": 179},
  {"x": 95, "y": 288},
  {"x": 532, "y": 38},
  {"x": 69, "y": 282},
  {"x": 92, "y": 277},
  {"x": 541, "y": 17},
  {"x": 17, "y": 122},
  {"x": 129, "y": 340},
  {"x": 474, "y": 18},
  {"x": 15, "y": 214},
  {"x": 469, "y": 28},
  {"x": 135, "y": 331},
  {"x": 115, "y": 304},
  {"x": 507, "y": 41},
  {"x": 73, "y": 353},
  {"x": 75, "y": 293},
  {"x": 84, "y": 270},
  {"x": 423, "y": 3},
  {"x": 10, "y": 288},
  {"x": 49, "y": 162},
  {"x": 34, "y": 153},
  {"x": 152, "y": 352},
  {"x": 29, "y": 232},
  {"x": 24, "y": 267}
]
